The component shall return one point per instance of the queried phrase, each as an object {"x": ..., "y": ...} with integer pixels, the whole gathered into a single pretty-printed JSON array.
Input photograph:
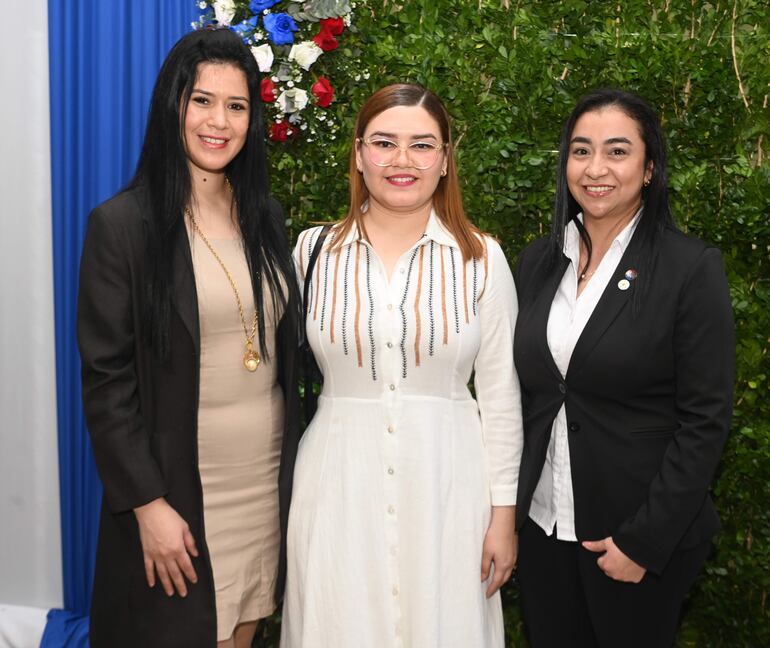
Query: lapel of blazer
[
  {"x": 610, "y": 304},
  {"x": 185, "y": 295},
  {"x": 542, "y": 310}
]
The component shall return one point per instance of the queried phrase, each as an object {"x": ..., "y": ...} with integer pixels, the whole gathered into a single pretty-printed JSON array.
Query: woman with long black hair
[
  {"x": 187, "y": 326},
  {"x": 625, "y": 351}
]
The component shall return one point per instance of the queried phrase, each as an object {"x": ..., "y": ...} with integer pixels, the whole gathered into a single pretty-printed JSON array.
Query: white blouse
[{"x": 552, "y": 502}]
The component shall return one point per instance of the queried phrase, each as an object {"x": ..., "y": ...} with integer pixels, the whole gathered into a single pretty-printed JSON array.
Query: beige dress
[{"x": 240, "y": 425}]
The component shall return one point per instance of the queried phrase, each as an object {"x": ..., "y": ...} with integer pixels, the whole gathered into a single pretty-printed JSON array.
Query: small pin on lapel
[
  {"x": 631, "y": 274},
  {"x": 624, "y": 284}
]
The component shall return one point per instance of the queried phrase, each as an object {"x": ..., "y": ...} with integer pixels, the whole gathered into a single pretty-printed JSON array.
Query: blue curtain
[{"x": 103, "y": 59}]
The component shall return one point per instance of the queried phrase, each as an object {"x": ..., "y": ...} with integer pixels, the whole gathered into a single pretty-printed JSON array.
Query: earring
[
  {"x": 443, "y": 172},
  {"x": 647, "y": 182}
]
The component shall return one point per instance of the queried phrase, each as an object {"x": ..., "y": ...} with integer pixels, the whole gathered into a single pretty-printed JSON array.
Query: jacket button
[
  {"x": 562, "y": 388},
  {"x": 574, "y": 427}
]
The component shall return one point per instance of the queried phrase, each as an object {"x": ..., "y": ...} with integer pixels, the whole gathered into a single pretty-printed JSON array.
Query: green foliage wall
[{"x": 510, "y": 72}]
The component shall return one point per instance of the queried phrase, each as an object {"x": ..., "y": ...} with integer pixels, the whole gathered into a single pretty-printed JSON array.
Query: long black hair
[
  {"x": 163, "y": 172},
  {"x": 656, "y": 213}
]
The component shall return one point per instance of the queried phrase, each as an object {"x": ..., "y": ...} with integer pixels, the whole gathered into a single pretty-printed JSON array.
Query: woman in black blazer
[
  {"x": 624, "y": 347},
  {"x": 187, "y": 326}
]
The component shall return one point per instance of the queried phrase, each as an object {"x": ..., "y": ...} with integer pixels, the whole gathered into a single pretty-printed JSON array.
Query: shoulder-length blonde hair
[{"x": 447, "y": 199}]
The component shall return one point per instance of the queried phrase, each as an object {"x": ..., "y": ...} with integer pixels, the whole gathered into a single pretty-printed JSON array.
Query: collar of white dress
[{"x": 435, "y": 230}]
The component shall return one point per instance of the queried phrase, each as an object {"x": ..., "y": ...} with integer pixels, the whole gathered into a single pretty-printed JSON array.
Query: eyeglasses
[{"x": 384, "y": 152}]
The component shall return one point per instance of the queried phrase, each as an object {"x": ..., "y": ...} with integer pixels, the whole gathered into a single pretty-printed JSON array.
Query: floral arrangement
[{"x": 287, "y": 37}]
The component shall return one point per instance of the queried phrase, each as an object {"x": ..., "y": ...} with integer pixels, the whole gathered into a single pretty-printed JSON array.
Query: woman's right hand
[{"x": 167, "y": 545}]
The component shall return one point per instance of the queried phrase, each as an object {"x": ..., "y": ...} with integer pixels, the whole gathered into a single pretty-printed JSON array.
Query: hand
[
  {"x": 501, "y": 547},
  {"x": 167, "y": 545},
  {"x": 614, "y": 563}
]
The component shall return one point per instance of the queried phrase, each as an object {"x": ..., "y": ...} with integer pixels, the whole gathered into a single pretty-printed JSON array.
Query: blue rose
[
  {"x": 279, "y": 28},
  {"x": 258, "y": 6},
  {"x": 246, "y": 28}
]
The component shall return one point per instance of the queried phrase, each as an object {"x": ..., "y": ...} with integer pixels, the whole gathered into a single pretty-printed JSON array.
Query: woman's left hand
[
  {"x": 614, "y": 563},
  {"x": 501, "y": 547}
]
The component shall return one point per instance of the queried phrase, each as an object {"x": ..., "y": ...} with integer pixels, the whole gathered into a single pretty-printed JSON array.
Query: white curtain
[{"x": 30, "y": 547}]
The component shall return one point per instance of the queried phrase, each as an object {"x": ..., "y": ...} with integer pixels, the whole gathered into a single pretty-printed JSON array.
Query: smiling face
[
  {"x": 400, "y": 187},
  {"x": 606, "y": 165},
  {"x": 217, "y": 117}
]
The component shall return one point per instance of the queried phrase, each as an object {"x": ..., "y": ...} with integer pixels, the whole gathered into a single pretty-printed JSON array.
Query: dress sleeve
[
  {"x": 495, "y": 379},
  {"x": 106, "y": 338},
  {"x": 704, "y": 355}
]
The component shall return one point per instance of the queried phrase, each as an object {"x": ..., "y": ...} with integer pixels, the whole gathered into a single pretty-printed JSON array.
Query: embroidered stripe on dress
[
  {"x": 417, "y": 320},
  {"x": 317, "y": 287},
  {"x": 475, "y": 285},
  {"x": 357, "y": 328},
  {"x": 445, "y": 339},
  {"x": 465, "y": 291},
  {"x": 371, "y": 313},
  {"x": 431, "y": 320},
  {"x": 403, "y": 313},
  {"x": 337, "y": 255},
  {"x": 454, "y": 289},
  {"x": 326, "y": 282},
  {"x": 345, "y": 301}
]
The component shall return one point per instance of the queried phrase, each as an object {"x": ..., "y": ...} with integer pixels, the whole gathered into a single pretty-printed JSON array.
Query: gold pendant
[{"x": 251, "y": 358}]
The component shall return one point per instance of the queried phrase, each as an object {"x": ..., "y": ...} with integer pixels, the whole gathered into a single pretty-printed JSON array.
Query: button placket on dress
[
  {"x": 390, "y": 361},
  {"x": 401, "y": 281}
]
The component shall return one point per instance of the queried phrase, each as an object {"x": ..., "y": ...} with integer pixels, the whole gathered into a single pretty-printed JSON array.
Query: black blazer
[
  {"x": 142, "y": 416},
  {"x": 648, "y": 398}
]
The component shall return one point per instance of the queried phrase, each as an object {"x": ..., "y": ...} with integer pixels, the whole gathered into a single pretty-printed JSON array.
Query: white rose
[
  {"x": 224, "y": 10},
  {"x": 264, "y": 56},
  {"x": 305, "y": 53},
  {"x": 293, "y": 100}
]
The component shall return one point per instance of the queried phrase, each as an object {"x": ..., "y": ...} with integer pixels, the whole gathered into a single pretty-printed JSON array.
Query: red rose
[
  {"x": 334, "y": 25},
  {"x": 325, "y": 40},
  {"x": 280, "y": 131},
  {"x": 323, "y": 91},
  {"x": 267, "y": 90}
]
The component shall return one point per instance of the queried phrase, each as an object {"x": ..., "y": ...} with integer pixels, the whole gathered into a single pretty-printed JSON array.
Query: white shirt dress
[{"x": 398, "y": 470}]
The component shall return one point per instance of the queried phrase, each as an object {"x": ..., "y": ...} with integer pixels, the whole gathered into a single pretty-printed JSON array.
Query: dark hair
[
  {"x": 447, "y": 199},
  {"x": 163, "y": 172},
  {"x": 656, "y": 214}
]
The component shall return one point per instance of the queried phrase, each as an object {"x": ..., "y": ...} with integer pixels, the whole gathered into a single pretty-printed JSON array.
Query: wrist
[
  {"x": 504, "y": 514},
  {"x": 151, "y": 506}
]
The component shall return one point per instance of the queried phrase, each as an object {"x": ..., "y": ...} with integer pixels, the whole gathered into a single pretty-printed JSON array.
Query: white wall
[{"x": 30, "y": 554}]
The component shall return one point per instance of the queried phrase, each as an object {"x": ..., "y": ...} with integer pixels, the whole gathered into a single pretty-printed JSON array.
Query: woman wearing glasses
[{"x": 401, "y": 528}]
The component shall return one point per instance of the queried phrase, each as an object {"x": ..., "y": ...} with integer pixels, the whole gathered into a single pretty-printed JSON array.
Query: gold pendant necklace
[{"x": 251, "y": 358}]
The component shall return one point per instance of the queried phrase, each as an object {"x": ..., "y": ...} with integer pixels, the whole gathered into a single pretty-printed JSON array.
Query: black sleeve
[
  {"x": 704, "y": 351},
  {"x": 106, "y": 337}
]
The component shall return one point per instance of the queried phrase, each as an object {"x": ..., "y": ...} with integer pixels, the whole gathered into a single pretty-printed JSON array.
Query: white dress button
[
  {"x": 391, "y": 471},
  {"x": 389, "y": 345},
  {"x": 390, "y": 306},
  {"x": 402, "y": 270},
  {"x": 391, "y": 509},
  {"x": 392, "y": 387},
  {"x": 395, "y": 591},
  {"x": 391, "y": 430}
]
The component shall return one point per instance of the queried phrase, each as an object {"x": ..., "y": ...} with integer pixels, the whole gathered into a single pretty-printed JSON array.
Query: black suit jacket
[
  {"x": 648, "y": 397},
  {"x": 142, "y": 416}
]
